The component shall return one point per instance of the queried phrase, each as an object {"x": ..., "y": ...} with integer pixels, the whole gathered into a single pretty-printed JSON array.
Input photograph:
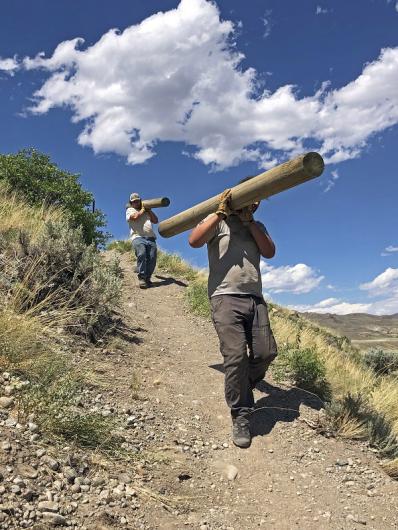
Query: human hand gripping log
[{"x": 280, "y": 178}]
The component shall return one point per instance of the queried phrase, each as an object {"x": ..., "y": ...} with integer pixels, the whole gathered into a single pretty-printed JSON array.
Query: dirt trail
[
  {"x": 291, "y": 477},
  {"x": 163, "y": 384}
]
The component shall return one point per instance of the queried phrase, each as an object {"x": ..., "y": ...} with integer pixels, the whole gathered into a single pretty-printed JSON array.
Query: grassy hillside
[
  {"x": 359, "y": 403},
  {"x": 56, "y": 295}
]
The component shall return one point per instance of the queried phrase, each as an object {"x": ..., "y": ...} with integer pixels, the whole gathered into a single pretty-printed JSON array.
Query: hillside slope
[
  {"x": 365, "y": 331},
  {"x": 164, "y": 382}
]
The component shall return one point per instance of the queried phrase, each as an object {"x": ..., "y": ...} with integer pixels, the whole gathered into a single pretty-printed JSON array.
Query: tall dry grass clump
[{"x": 363, "y": 403}]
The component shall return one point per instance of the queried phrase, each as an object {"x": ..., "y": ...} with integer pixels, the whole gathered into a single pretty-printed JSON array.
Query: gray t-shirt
[{"x": 234, "y": 260}]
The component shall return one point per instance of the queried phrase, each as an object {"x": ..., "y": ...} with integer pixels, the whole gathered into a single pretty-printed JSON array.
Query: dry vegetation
[{"x": 56, "y": 293}]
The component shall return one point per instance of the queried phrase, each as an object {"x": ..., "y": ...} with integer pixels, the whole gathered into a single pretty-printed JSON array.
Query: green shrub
[
  {"x": 59, "y": 274},
  {"x": 38, "y": 180},
  {"x": 380, "y": 361},
  {"x": 197, "y": 297},
  {"x": 304, "y": 367}
]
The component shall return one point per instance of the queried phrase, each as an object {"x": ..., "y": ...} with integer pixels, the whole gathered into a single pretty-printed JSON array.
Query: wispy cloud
[
  {"x": 332, "y": 181},
  {"x": 177, "y": 76},
  {"x": 295, "y": 279},
  {"x": 268, "y": 23},
  {"x": 321, "y": 10},
  {"x": 389, "y": 250}
]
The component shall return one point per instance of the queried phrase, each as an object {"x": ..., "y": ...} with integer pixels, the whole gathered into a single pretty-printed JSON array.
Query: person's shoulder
[{"x": 262, "y": 226}]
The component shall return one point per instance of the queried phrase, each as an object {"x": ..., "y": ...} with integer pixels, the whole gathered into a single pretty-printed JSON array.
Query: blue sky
[{"x": 185, "y": 98}]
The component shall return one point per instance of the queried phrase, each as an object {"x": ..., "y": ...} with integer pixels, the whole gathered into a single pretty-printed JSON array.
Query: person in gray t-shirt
[{"x": 235, "y": 243}]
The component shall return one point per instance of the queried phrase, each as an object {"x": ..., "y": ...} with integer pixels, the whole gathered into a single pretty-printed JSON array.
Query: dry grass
[
  {"x": 173, "y": 264},
  {"x": 34, "y": 312},
  {"x": 373, "y": 413},
  {"x": 16, "y": 215}
]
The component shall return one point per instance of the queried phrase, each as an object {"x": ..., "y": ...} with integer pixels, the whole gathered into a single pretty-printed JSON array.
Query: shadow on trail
[
  {"x": 279, "y": 405},
  {"x": 167, "y": 280}
]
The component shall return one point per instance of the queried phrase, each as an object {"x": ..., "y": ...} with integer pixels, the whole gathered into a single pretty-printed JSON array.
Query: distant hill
[{"x": 365, "y": 331}]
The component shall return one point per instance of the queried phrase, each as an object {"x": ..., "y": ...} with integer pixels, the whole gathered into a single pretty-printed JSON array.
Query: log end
[
  {"x": 165, "y": 201},
  {"x": 313, "y": 164}
]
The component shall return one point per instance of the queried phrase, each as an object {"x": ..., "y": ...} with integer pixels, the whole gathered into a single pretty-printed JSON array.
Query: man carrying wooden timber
[
  {"x": 235, "y": 242},
  {"x": 143, "y": 238}
]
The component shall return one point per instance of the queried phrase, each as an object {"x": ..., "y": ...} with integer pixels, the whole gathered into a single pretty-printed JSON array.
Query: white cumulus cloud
[
  {"x": 385, "y": 283},
  {"x": 333, "y": 305},
  {"x": 295, "y": 279},
  {"x": 383, "y": 289},
  {"x": 178, "y": 76}
]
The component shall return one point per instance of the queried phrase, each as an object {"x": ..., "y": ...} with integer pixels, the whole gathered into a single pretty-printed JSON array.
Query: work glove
[
  {"x": 224, "y": 207},
  {"x": 246, "y": 214},
  {"x": 143, "y": 210}
]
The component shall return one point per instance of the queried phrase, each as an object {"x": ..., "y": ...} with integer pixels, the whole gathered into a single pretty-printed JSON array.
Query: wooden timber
[
  {"x": 161, "y": 202},
  {"x": 280, "y": 178}
]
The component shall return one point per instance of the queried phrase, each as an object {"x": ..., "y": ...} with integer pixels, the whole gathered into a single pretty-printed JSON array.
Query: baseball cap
[{"x": 135, "y": 197}]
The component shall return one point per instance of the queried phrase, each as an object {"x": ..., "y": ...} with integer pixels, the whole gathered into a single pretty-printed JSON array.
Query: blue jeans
[{"x": 146, "y": 252}]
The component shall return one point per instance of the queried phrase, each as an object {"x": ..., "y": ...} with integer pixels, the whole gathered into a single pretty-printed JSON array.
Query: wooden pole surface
[
  {"x": 161, "y": 202},
  {"x": 280, "y": 178}
]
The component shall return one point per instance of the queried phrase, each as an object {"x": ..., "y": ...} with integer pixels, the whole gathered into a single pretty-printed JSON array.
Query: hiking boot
[
  {"x": 148, "y": 282},
  {"x": 142, "y": 283},
  {"x": 241, "y": 432}
]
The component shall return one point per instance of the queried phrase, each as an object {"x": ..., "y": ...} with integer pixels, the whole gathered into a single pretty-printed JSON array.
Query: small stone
[
  {"x": 124, "y": 478},
  {"x": 8, "y": 390},
  {"x": 6, "y": 402},
  {"x": 48, "y": 506},
  {"x": 27, "y": 471},
  {"x": 341, "y": 463},
  {"x": 50, "y": 462},
  {"x": 29, "y": 495},
  {"x": 6, "y": 446},
  {"x": 156, "y": 382},
  {"x": 54, "y": 519},
  {"x": 130, "y": 492},
  {"x": 70, "y": 474},
  {"x": 232, "y": 472},
  {"x": 33, "y": 427}
]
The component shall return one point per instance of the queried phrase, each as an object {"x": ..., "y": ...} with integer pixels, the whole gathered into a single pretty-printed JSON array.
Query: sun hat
[{"x": 135, "y": 197}]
